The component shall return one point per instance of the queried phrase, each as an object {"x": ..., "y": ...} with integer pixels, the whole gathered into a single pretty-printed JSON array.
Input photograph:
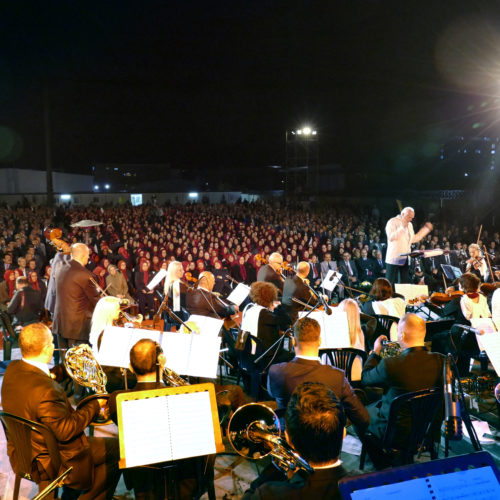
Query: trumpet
[
  {"x": 254, "y": 432},
  {"x": 84, "y": 369}
]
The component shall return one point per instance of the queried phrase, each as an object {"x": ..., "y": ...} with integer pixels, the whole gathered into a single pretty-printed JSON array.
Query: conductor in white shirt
[{"x": 400, "y": 236}]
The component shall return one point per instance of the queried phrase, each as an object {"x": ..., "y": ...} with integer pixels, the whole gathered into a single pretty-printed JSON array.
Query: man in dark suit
[
  {"x": 28, "y": 391},
  {"x": 413, "y": 370},
  {"x": 306, "y": 367},
  {"x": 380, "y": 269},
  {"x": 202, "y": 301},
  {"x": 315, "y": 424},
  {"x": 314, "y": 275},
  {"x": 76, "y": 298},
  {"x": 348, "y": 270},
  {"x": 366, "y": 267},
  {"x": 271, "y": 273},
  {"x": 295, "y": 287},
  {"x": 26, "y": 303}
]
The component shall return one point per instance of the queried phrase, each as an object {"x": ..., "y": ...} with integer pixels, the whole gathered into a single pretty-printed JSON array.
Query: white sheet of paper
[
  {"x": 192, "y": 354},
  {"x": 191, "y": 425},
  {"x": 410, "y": 292},
  {"x": 167, "y": 428},
  {"x": 483, "y": 324},
  {"x": 239, "y": 294},
  {"x": 490, "y": 342},
  {"x": 443, "y": 486},
  {"x": 117, "y": 342},
  {"x": 481, "y": 427},
  {"x": 206, "y": 325},
  {"x": 334, "y": 328},
  {"x": 157, "y": 278},
  {"x": 330, "y": 284}
]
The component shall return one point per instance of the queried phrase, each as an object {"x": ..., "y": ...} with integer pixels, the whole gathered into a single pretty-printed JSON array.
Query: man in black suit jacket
[
  {"x": 271, "y": 272},
  {"x": 296, "y": 288},
  {"x": 314, "y": 275},
  {"x": 413, "y": 370},
  {"x": 28, "y": 391},
  {"x": 348, "y": 270},
  {"x": 315, "y": 424},
  {"x": 76, "y": 298},
  {"x": 306, "y": 367},
  {"x": 202, "y": 301},
  {"x": 366, "y": 267},
  {"x": 26, "y": 303},
  {"x": 380, "y": 269}
]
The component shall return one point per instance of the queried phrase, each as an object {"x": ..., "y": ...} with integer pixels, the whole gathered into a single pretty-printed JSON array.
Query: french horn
[
  {"x": 85, "y": 370},
  {"x": 254, "y": 432}
]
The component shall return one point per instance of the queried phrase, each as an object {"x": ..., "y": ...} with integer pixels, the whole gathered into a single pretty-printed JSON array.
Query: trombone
[{"x": 254, "y": 432}]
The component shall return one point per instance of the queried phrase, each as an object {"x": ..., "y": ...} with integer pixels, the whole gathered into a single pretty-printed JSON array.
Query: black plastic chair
[
  {"x": 342, "y": 358},
  {"x": 423, "y": 413},
  {"x": 384, "y": 324},
  {"x": 18, "y": 432}
]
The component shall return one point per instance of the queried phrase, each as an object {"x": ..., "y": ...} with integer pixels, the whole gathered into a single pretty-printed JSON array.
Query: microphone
[{"x": 452, "y": 417}]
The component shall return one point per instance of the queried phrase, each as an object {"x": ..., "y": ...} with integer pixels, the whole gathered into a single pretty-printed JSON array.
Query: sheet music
[
  {"x": 330, "y": 284},
  {"x": 334, "y": 328},
  {"x": 157, "y": 278},
  {"x": 205, "y": 324},
  {"x": 192, "y": 354},
  {"x": 472, "y": 484},
  {"x": 191, "y": 426},
  {"x": 239, "y": 294},
  {"x": 490, "y": 342},
  {"x": 410, "y": 292},
  {"x": 146, "y": 431},
  {"x": 117, "y": 342},
  {"x": 167, "y": 427}
]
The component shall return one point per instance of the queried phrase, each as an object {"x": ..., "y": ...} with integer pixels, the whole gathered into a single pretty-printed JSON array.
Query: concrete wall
[{"x": 16, "y": 180}]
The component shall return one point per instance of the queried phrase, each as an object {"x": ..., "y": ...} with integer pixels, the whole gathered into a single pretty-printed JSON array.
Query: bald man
[
  {"x": 76, "y": 298},
  {"x": 400, "y": 236},
  {"x": 295, "y": 287},
  {"x": 271, "y": 272},
  {"x": 413, "y": 370},
  {"x": 202, "y": 301}
]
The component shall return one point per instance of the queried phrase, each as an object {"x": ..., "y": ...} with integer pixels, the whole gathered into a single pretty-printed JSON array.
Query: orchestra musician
[
  {"x": 201, "y": 300},
  {"x": 271, "y": 272},
  {"x": 400, "y": 236},
  {"x": 75, "y": 300},
  {"x": 296, "y": 287},
  {"x": 476, "y": 264},
  {"x": 28, "y": 391},
  {"x": 175, "y": 290}
]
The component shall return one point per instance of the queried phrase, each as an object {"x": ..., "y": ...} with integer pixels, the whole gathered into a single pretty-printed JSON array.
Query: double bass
[{"x": 53, "y": 236}]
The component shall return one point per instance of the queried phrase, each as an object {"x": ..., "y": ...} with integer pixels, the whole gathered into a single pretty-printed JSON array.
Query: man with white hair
[
  {"x": 400, "y": 236},
  {"x": 271, "y": 272},
  {"x": 296, "y": 287}
]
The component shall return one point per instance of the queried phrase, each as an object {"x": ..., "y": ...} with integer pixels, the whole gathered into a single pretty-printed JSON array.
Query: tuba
[
  {"x": 85, "y": 370},
  {"x": 254, "y": 432},
  {"x": 172, "y": 379}
]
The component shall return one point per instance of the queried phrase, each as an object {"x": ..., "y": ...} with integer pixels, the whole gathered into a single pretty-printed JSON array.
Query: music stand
[{"x": 450, "y": 272}]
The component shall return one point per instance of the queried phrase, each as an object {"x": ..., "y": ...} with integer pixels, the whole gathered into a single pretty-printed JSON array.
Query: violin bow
[{"x": 479, "y": 234}]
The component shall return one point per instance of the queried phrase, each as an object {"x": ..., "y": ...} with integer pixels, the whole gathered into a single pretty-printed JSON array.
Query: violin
[
  {"x": 53, "y": 235},
  {"x": 189, "y": 277},
  {"x": 260, "y": 259},
  {"x": 287, "y": 267},
  {"x": 439, "y": 299},
  {"x": 487, "y": 288}
]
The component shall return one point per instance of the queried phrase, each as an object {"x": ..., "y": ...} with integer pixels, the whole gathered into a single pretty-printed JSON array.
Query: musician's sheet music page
[
  {"x": 176, "y": 347},
  {"x": 191, "y": 425},
  {"x": 146, "y": 431},
  {"x": 157, "y": 278},
  {"x": 205, "y": 324},
  {"x": 117, "y": 342},
  {"x": 334, "y": 328},
  {"x": 331, "y": 279},
  {"x": 239, "y": 294},
  {"x": 204, "y": 356},
  {"x": 410, "y": 291},
  {"x": 473, "y": 484},
  {"x": 490, "y": 342}
]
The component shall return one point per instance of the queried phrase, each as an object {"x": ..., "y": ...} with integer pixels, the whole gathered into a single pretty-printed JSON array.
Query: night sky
[{"x": 217, "y": 83}]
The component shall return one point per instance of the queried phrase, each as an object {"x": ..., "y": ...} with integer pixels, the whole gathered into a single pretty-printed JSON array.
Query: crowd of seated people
[{"x": 281, "y": 254}]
